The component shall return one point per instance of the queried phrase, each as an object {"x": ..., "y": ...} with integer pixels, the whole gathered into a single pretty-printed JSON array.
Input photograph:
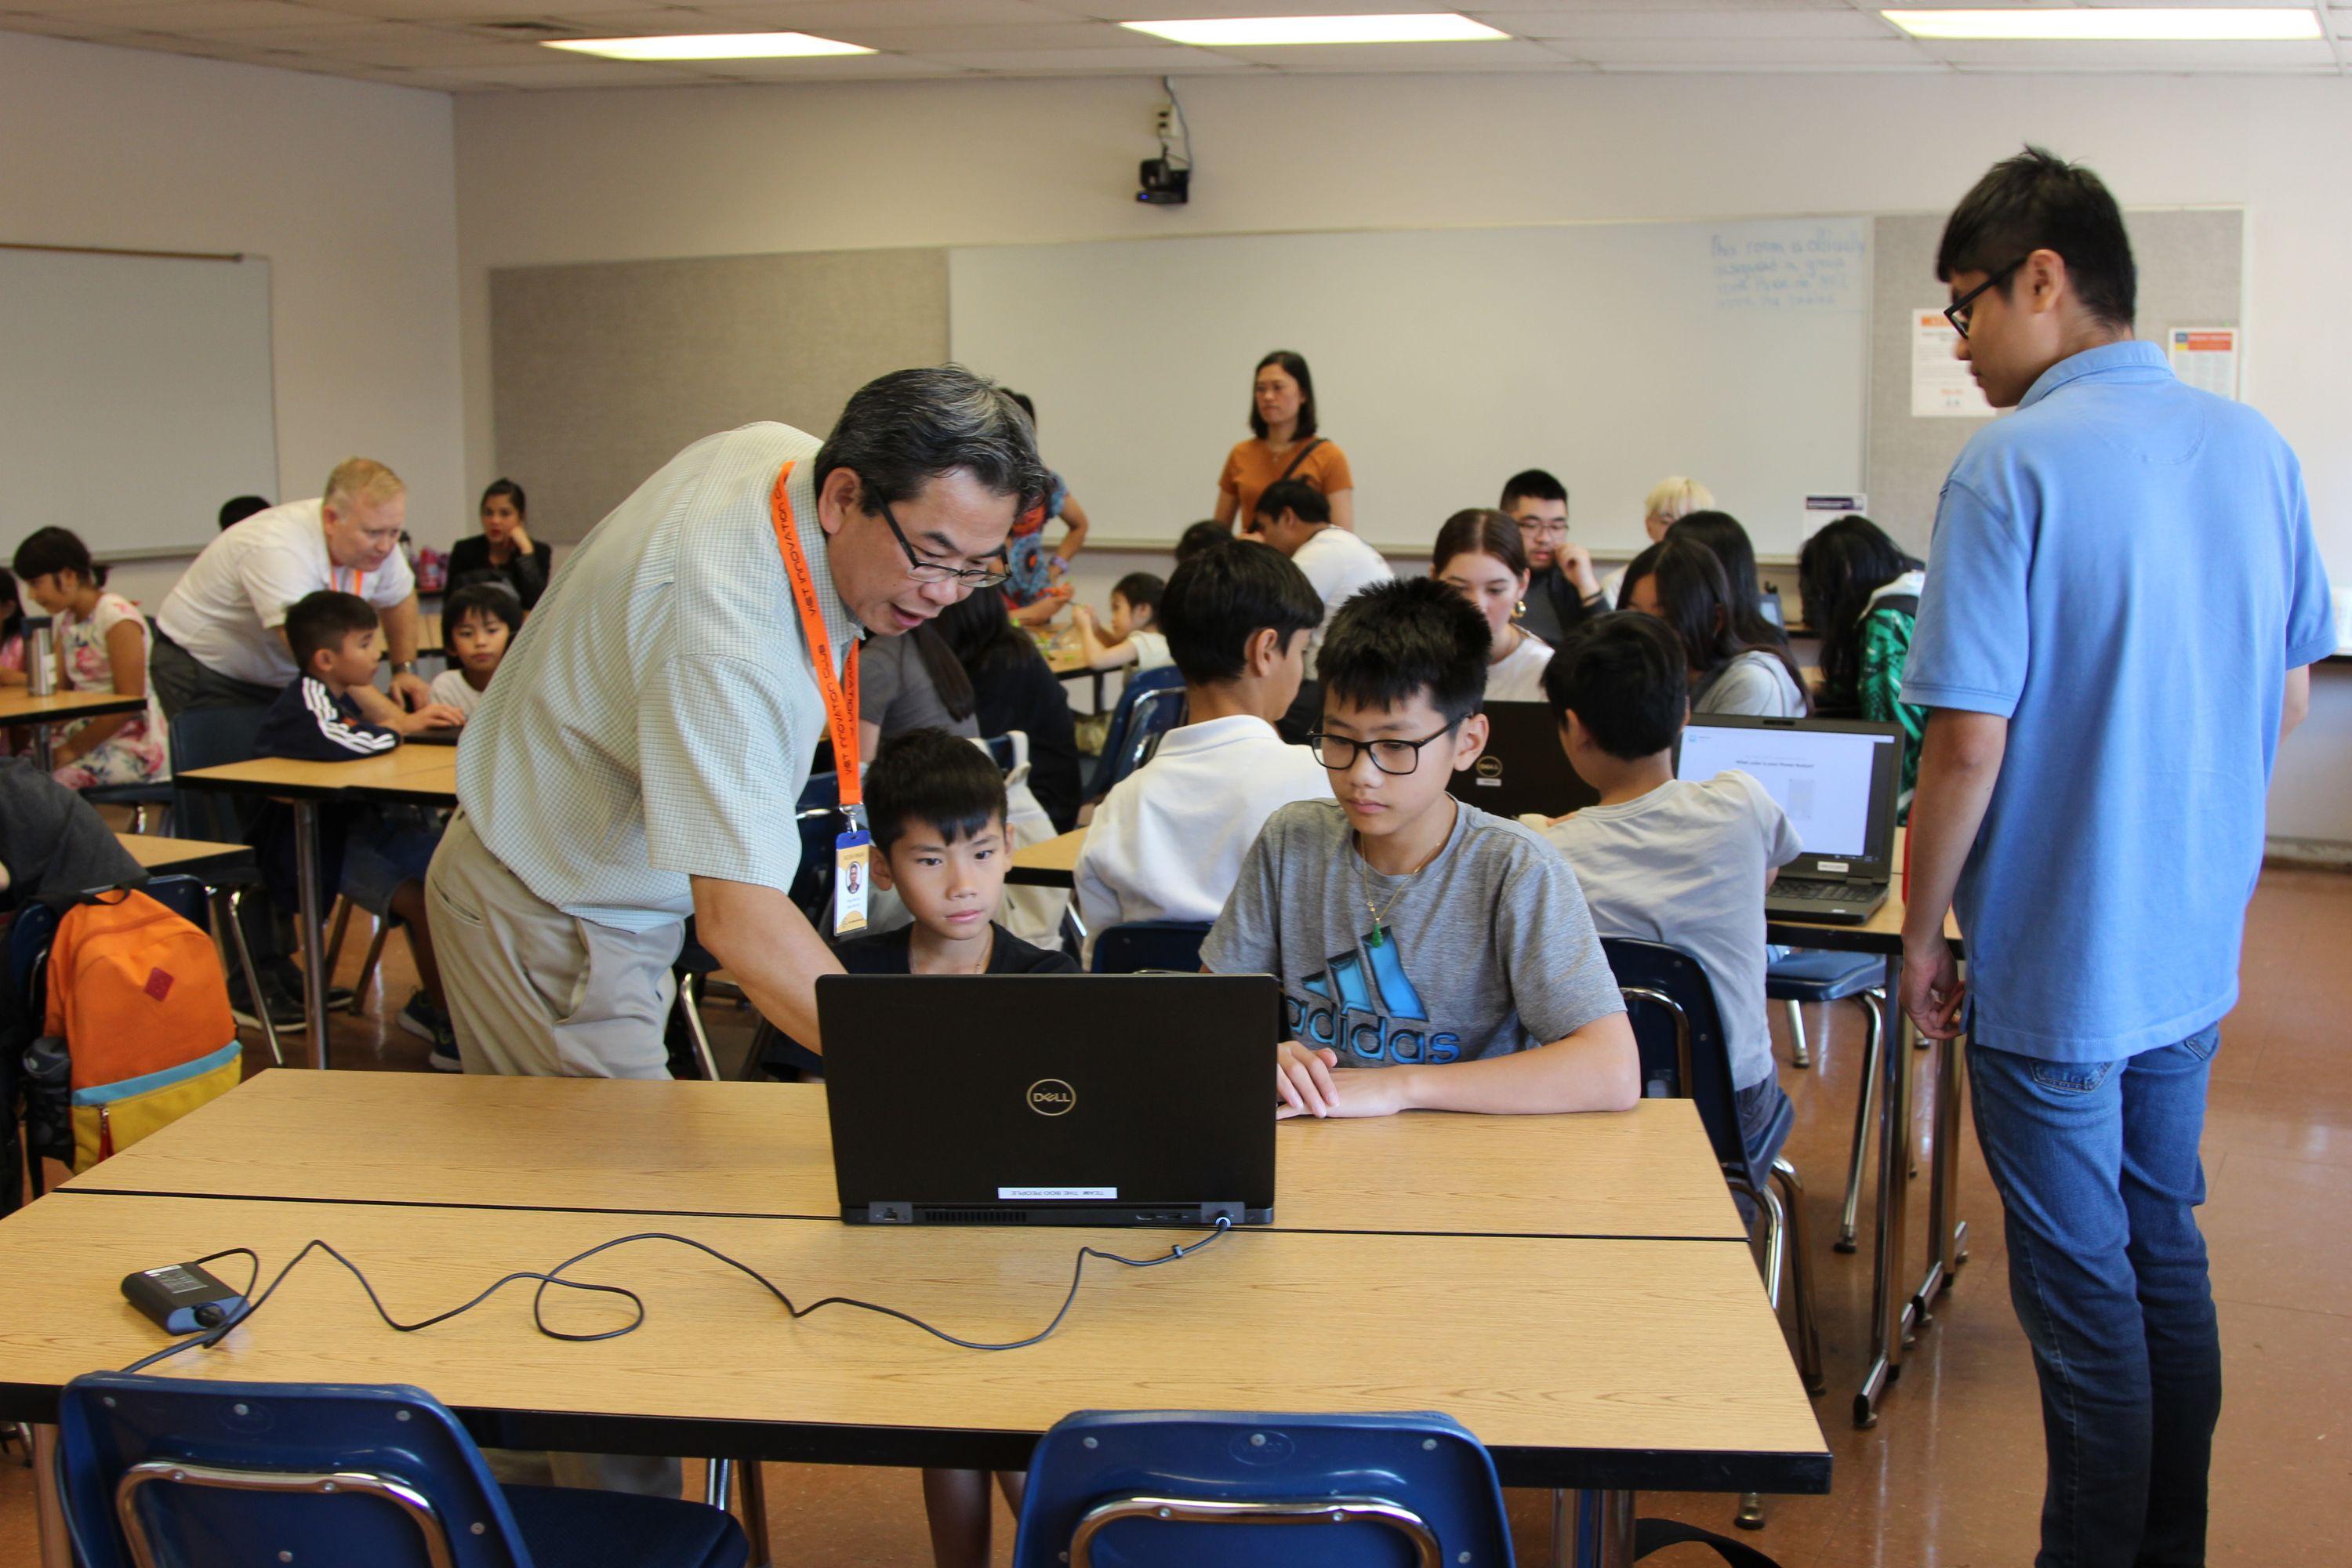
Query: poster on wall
[
  {"x": 2206, "y": 359},
  {"x": 1941, "y": 387}
]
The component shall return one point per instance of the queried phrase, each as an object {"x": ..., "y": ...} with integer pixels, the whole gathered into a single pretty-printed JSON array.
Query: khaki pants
[{"x": 536, "y": 993}]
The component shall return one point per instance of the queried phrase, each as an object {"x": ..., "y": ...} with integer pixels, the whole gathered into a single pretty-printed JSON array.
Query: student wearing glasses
[
  {"x": 1562, "y": 587},
  {"x": 1432, "y": 956},
  {"x": 641, "y": 755}
]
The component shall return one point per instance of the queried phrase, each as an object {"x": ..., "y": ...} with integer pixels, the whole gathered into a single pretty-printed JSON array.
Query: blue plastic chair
[
  {"x": 1136, "y": 945},
  {"x": 138, "y": 797},
  {"x": 210, "y": 738},
  {"x": 1685, "y": 1055},
  {"x": 1148, "y": 1488},
  {"x": 159, "y": 1470},
  {"x": 1816, "y": 974},
  {"x": 1130, "y": 732}
]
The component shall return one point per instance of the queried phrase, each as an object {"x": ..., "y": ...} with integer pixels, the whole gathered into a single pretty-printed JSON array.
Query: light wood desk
[
  {"x": 188, "y": 856},
  {"x": 765, "y": 1149},
  {"x": 1626, "y": 1364},
  {"x": 19, "y": 705},
  {"x": 425, "y": 775},
  {"x": 1052, "y": 864}
]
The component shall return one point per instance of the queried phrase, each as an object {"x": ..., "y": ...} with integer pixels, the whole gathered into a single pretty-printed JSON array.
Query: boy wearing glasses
[
  {"x": 1562, "y": 588},
  {"x": 1413, "y": 933}
]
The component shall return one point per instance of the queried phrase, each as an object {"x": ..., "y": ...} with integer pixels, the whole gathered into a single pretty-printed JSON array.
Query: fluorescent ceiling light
[
  {"x": 709, "y": 46},
  {"x": 1250, "y": 32},
  {"x": 2202, "y": 23}
]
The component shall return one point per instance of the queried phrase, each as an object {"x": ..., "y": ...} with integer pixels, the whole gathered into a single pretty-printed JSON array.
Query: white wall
[
  {"x": 347, "y": 187},
  {"x": 557, "y": 178}
]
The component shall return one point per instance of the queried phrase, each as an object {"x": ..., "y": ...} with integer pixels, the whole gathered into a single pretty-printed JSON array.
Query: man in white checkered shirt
[{"x": 640, "y": 756}]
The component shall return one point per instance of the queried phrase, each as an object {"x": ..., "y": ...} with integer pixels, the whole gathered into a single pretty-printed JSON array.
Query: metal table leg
[
  {"x": 1948, "y": 1235},
  {"x": 1890, "y": 1309},
  {"x": 43, "y": 758},
  {"x": 1604, "y": 1530},
  {"x": 314, "y": 956}
]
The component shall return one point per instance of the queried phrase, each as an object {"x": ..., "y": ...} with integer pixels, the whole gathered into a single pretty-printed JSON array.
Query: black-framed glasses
[
  {"x": 1543, "y": 528},
  {"x": 1957, "y": 312},
  {"x": 923, "y": 570},
  {"x": 1338, "y": 753}
]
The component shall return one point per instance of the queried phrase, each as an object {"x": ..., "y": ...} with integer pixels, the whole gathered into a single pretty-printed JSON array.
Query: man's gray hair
[{"x": 902, "y": 430}]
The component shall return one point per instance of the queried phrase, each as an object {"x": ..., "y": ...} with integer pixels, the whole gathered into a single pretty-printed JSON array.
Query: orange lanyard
[{"x": 840, "y": 691}]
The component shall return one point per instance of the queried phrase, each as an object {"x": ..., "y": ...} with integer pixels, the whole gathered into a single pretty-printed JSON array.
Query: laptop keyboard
[{"x": 1822, "y": 892}]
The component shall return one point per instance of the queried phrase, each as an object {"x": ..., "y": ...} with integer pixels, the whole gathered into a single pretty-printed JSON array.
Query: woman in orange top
[{"x": 1282, "y": 417}]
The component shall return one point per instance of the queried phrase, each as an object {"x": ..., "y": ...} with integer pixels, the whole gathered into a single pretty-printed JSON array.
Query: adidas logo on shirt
[{"x": 1363, "y": 1006}]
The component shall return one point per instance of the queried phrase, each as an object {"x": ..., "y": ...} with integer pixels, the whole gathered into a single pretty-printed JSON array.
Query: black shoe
[
  {"x": 286, "y": 976},
  {"x": 284, "y": 1010}
]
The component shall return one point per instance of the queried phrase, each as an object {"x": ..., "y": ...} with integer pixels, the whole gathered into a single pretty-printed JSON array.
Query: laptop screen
[{"x": 1823, "y": 778}]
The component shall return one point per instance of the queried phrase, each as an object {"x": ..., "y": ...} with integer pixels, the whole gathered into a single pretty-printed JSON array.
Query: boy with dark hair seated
[
  {"x": 1679, "y": 861},
  {"x": 1413, "y": 935},
  {"x": 376, "y": 855},
  {"x": 1167, "y": 843}
]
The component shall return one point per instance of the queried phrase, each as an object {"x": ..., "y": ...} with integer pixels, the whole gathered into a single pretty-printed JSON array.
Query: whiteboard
[
  {"x": 1445, "y": 361},
  {"x": 135, "y": 395}
]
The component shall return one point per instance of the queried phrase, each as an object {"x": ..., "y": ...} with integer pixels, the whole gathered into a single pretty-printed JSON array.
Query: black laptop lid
[
  {"x": 1838, "y": 779},
  {"x": 1035, "y": 1090},
  {"x": 1523, "y": 767}
]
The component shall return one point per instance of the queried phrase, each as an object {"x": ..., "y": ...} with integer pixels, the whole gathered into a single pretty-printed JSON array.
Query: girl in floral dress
[{"x": 103, "y": 645}]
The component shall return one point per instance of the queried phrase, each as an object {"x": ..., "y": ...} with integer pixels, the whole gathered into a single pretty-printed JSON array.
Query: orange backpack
[{"x": 137, "y": 997}]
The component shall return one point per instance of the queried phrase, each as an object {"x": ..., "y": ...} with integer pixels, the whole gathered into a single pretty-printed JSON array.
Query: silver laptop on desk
[
  {"x": 1838, "y": 780},
  {"x": 1051, "y": 1099}
]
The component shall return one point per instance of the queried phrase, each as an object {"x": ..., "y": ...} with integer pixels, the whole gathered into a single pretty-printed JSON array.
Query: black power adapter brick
[{"x": 182, "y": 1298}]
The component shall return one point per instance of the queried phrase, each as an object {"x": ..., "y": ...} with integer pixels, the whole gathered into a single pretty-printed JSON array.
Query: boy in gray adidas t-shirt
[{"x": 1411, "y": 933}]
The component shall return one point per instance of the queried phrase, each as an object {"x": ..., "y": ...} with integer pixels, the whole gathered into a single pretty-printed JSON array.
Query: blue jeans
[{"x": 2097, "y": 1169}]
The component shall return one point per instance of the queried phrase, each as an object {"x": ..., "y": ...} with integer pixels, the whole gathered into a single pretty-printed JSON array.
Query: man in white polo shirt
[{"x": 224, "y": 643}]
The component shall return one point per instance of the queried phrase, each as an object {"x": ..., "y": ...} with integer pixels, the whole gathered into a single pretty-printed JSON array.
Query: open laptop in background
[
  {"x": 1051, "y": 1099},
  {"x": 1837, "y": 779},
  {"x": 1523, "y": 767},
  {"x": 433, "y": 736}
]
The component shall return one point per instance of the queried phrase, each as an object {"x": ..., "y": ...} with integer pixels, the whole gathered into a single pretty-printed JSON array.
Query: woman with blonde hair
[{"x": 1669, "y": 501}]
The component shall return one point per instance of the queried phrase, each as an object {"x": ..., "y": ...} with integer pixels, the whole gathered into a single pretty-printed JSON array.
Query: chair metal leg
[
  {"x": 1799, "y": 1054},
  {"x": 754, "y": 1487},
  {"x": 689, "y": 1007},
  {"x": 715, "y": 1481},
  {"x": 343, "y": 908},
  {"x": 1800, "y": 1277},
  {"x": 368, "y": 966},
  {"x": 225, "y": 904},
  {"x": 1874, "y": 1041}
]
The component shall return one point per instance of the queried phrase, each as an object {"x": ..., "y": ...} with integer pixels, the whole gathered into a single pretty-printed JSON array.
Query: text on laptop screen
[{"x": 1820, "y": 778}]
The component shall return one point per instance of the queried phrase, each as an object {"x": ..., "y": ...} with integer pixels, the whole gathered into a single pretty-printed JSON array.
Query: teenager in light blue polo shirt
[{"x": 2121, "y": 600}]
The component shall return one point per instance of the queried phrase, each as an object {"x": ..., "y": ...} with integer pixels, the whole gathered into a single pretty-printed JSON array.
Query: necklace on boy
[{"x": 1379, "y": 913}]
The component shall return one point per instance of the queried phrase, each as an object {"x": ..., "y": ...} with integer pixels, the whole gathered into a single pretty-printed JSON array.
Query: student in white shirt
[
  {"x": 1133, "y": 633},
  {"x": 478, "y": 620},
  {"x": 1167, "y": 843},
  {"x": 1480, "y": 556},
  {"x": 1294, "y": 516},
  {"x": 1678, "y": 861},
  {"x": 1681, "y": 582}
]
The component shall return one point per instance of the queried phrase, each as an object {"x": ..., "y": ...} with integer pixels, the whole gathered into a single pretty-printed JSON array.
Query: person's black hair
[
  {"x": 508, "y": 488},
  {"x": 1837, "y": 572},
  {"x": 54, "y": 549},
  {"x": 1028, "y": 407},
  {"x": 1403, "y": 638},
  {"x": 1201, "y": 536},
  {"x": 1221, "y": 599},
  {"x": 1626, "y": 678},
  {"x": 1293, "y": 366},
  {"x": 1696, "y": 598},
  {"x": 1480, "y": 531},
  {"x": 237, "y": 509},
  {"x": 481, "y": 593},
  {"x": 900, "y": 431},
  {"x": 11, "y": 623},
  {"x": 1141, "y": 590},
  {"x": 2037, "y": 200},
  {"x": 948, "y": 676},
  {"x": 322, "y": 620},
  {"x": 1294, "y": 496},
  {"x": 1532, "y": 484},
  {"x": 980, "y": 634},
  {"x": 928, "y": 775},
  {"x": 1720, "y": 531}
]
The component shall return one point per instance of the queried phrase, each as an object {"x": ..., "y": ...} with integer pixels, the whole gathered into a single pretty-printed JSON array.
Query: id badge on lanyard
[{"x": 853, "y": 850}]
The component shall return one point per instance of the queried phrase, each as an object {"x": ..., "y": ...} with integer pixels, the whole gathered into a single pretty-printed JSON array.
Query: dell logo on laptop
[{"x": 1052, "y": 1097}]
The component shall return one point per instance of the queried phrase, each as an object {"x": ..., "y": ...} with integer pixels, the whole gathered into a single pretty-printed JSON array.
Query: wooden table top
[
  {"x": 766, "y": 1150},
  {"x": 19, "y": 705},
  {"x": 1052, "y": 864},
  {"x": 194, "y": 856},
  {"x": 405, "y": 772},
  {"x": 1579, "y": 1363}
]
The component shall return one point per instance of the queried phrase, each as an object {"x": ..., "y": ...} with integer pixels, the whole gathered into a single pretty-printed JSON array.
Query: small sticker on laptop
[
  {"x": 1835, "y": 866},
  {"x": 1488, "y": 784},
  {"x": 1035, "y": 1195}
]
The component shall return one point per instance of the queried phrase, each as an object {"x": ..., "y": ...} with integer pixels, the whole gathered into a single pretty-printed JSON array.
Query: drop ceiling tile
[
  {"x": 1506, "y": 54},
  {"x": 1087, "y": 62},
  {"x": 798, "y": 15},
  {"x": 2020, "y": 55},
  {"x": 1195, "y": 10},
  {"x": 573, "y": 73},
  {"x": 852, "y": 68},
  {"x": 1096, "y": 37},
  {"x": 1667, "y": 20},
  {"x": 463, "y": 11},
  {"x": 188, "y": 17},
  {"x": 1759, "y": 52}
]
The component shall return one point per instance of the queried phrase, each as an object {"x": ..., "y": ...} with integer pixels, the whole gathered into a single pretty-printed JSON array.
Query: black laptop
[
  {"x": 1838, "y": 780},
  {"x": 1523, "y": 767},
  {"x": 1052, "y": 1099},
  {"x": 433, "y": 736}
]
